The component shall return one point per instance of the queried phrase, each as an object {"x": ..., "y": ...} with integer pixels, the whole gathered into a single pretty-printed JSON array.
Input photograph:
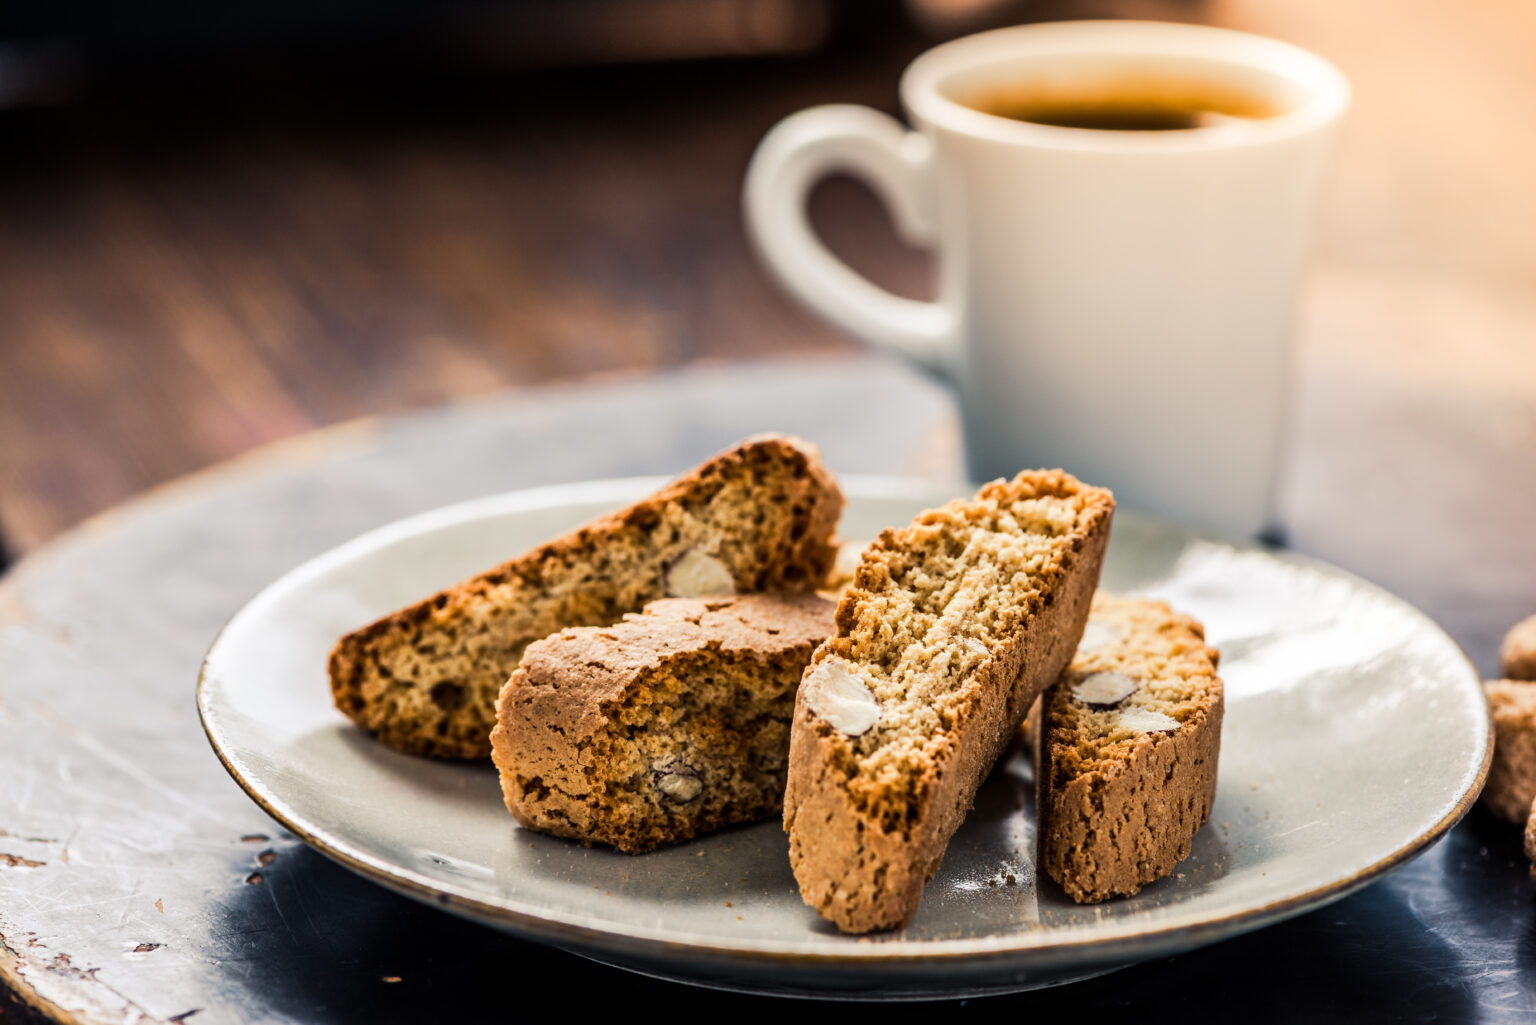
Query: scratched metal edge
[
  {"x": 12, "y": 978},
  {"x": 309, "y": 446},
  {"x": 1137, "y": 945}
]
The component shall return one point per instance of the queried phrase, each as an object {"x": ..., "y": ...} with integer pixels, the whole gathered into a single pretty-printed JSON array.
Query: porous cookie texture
[
  {"x": 1511, "y": 785},
  {"x": 1517, "y": 656},
  {"x": 1127, "y": 744},
  {"x": 950, "y": 629},
  {"x": 758, "y": 517},
  {"x": 664, "y": 726}
]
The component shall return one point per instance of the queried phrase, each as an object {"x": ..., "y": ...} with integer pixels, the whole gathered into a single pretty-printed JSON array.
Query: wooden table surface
[
  {"x": 184, "y": 276},
  {"x": 189, "y": 271}
]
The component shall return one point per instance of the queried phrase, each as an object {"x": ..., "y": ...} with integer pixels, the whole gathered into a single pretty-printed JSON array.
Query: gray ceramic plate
[{"x": 1356, "y": 734}]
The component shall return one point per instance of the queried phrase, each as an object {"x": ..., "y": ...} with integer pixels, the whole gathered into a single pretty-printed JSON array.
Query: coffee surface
[{"x": 1124, "y": 103}]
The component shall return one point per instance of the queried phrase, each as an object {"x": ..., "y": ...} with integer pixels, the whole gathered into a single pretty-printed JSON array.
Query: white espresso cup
[{"x": 1118, "y": 303}]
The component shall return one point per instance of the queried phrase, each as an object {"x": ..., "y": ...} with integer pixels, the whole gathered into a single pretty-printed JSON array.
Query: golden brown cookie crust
[
  {"x": 958, "y": 620},
  {"x": 425, "y": 679},
  {"x": 1517, "y": 656},
  {"x": 659, "y": 728},
  {"x": 1118, "y": 802},
  {"x": 1511, "y": 782}
]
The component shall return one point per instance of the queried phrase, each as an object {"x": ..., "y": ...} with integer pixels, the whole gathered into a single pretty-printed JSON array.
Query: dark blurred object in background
[{"x": 47, "y": 50}]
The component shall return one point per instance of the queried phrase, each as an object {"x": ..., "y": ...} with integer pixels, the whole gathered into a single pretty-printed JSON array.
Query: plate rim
[{"x": 1125, "y": 941}]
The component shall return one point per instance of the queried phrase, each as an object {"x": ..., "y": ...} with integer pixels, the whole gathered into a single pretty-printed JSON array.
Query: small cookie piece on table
[
  {"x": 758, "y": 517},
  {"x": 1517, "y": 655},
  {"x": 1511, "y": 784},
  {"x": 670, "y": 724},
  {"x": 1126, "y": 750},
  {"x": 1530, "y": 838},
  {"x": 951, "y": 627}
]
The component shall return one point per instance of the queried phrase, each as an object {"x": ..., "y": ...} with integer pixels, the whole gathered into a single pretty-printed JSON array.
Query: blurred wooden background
[{"x": 186, "y": 272}]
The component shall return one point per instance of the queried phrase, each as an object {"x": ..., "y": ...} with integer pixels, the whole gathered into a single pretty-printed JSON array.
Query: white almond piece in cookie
[
  {"x": 678, "y": 782},
  {"x": 1104, "y": 690},
  {"x": 696, "y": 575},
  {"x": 1144, "y": 720},
  {"x": 841, "y": 698}
]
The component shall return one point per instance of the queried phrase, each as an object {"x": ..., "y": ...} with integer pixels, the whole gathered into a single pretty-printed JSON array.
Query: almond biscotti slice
[
  {"x": 950, "y": 629},
  {"x": 758, "y": 517},
  {"x": 659, "y": 728},
  {"x": 1126, "y": 750}
]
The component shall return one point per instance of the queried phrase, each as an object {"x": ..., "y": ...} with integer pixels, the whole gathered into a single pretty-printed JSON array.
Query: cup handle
[{"x": 897, "y": 163}]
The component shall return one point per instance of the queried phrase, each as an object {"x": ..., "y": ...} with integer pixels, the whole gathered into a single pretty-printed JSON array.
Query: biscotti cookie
[
  {"x": 950, "y": 629},
  {"x": 661, "y": 727},
  {"x": 1125, "y": 750},
  {"x": 1511, "y": 782},
  {"x": 1517, "y": 656},
  {"x": 758, "y": 517}
]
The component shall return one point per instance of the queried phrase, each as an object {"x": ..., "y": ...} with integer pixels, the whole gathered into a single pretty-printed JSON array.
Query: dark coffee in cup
[{"x": 1126, "y": 101}]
